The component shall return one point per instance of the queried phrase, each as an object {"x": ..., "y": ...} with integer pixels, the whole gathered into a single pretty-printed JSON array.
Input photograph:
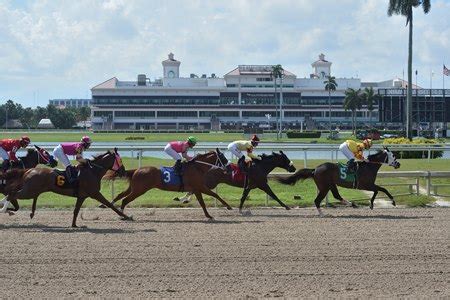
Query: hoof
[
  {"x": 127, "y": 218},
  {"x": 229, "y": 208},
  {"x": 31, "y": 215},
  {"x": 74, "y": 226},
  {"x": 371, "y": 206},
  {"x": 102, "y": 206},
  {"x": 354, "y": 205},
  {"x": 287, "y": 208},
  {"x": 393, "y": 203},
  {"x": 176, "y": 199},
  {"x": 210, "y": 219},
  {"x": 10, "y": 213}
]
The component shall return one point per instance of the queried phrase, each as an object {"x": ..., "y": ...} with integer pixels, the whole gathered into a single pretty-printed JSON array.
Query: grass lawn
[{"x": 306, "y": 190}]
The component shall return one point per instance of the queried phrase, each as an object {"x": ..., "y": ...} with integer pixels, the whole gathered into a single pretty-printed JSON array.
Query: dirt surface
[{"x": 271, "y": 253}]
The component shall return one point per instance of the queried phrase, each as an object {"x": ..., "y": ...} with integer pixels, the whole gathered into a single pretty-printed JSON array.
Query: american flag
[{"x": 446, "y": 71}]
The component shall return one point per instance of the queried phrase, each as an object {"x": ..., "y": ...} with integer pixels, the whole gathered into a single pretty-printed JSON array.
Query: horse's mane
[
  {"x": 94, "y": 158},
  {"x": 374, "y": 155},
  {"x": 201, "y": 155}
]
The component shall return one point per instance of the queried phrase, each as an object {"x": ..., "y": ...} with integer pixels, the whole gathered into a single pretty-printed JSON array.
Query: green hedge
[
  {"x": 414, "y": 154},
  {"x": 305, "y": 134}
]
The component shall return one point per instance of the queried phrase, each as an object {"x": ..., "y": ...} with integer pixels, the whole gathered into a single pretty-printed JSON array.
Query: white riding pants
[
  {"x": 58, "y": 152},
  {"x": 3, "y": 154},
  {"x": 346, "y": 151},
  {"x": 172, "y": 153},
  {"x": 235, "y": 151}
]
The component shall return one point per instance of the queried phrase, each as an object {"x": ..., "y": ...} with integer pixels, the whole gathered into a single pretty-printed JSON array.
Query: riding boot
[
  {"x": 6, "y": 165},
  {"x": 228, "y": 169},
  {"x": 351, "y": 166},
  {"x": 178, "y": 167},
  {"x": 242, "y": 165}
]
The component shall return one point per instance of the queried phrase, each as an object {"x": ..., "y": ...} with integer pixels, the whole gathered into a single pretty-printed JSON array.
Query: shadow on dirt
[
  {"x": 215, "y": 221},
  {"x": 59, "y": 229},
  {"x": 382, "y": 217}
]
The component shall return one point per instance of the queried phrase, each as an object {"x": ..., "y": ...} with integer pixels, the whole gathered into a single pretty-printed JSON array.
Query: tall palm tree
[
  {"x": 370, "y": 99},
  {"x": 330, "y": 85},
  {"x": 353, "y": 102},
  {"x": 405, "y": 8},
  {"x": 277, "y": 72}
]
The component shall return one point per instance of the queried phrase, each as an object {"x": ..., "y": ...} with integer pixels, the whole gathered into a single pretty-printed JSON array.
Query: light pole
[
  {"x": 281, "y": 104},
  {"x": 268, "y": 116}
]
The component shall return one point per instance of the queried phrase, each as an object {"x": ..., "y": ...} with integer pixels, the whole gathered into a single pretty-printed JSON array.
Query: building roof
[
  {"x": 108, "y": 84},
  {"x": 255, "y": 70}
]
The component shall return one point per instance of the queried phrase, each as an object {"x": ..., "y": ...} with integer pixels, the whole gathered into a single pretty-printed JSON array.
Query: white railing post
[
  {"x": 305, "y": 160},
  {"x": 428, "y": 184},
  {"x": 417, "y": 186}
]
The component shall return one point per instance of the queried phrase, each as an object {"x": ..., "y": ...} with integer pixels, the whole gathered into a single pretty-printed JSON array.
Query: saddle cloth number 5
[
  {"x": 60, "y": 180},
  {"x": 342, "y": 173}
]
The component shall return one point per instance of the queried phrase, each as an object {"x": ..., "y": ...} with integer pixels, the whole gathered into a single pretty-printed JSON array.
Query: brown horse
[
  {"x": 146, "y": 178},
  {"x": 256, "y": 176},
  {"x": 327, "y": 176},
  {"x": 30, "y": 183}
]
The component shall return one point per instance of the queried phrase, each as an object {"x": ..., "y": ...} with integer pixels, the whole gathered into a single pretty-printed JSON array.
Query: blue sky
[{"x": 60, "y": 49}]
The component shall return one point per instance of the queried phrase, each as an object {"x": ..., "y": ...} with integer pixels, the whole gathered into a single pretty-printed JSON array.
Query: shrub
[
  {"x": 414, "y": 154},
  {"x": 130, "y": 138},
  {"x": 292, "y": 134}
]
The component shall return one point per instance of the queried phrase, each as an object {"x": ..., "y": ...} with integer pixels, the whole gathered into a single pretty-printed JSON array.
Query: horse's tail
[
  {"x": 299, "y": 175},
  {"x": 110, "y": 175}
]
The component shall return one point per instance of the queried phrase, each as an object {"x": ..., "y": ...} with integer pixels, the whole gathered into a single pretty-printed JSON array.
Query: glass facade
[
  {"x": 155, "y": 100},
  {"x": 134, "y": 114}
]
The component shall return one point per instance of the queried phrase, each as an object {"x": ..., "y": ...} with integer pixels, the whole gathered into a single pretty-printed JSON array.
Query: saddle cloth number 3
[{"x": 166, "y": 176}]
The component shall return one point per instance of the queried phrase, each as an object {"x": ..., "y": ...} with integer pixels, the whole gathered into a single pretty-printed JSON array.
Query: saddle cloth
[
  {"x": 344, "y": 174},
  {"x": 62, "y": 181},
  {"x": 169, "y": 177},
  {"x": 236, "y": 174}
]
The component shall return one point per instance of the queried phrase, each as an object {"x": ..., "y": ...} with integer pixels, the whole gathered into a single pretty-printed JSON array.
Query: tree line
[{"x": 29, "y": 117}]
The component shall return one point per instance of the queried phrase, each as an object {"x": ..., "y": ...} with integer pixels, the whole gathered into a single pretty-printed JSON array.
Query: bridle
[
  {"x": 217, "y": 165},
  {"x": 385, "y": 162},
  {"x": 116, "y": 162}
]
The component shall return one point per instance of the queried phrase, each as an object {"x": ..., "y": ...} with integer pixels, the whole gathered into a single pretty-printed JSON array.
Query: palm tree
[
  {"x": 405, "y": 8},
  {"x": 370, "y": 99},
  {"x": 277, "y": 72},
  {"x": 353, "y": 102},
  {"x": 330, "y": 85}
]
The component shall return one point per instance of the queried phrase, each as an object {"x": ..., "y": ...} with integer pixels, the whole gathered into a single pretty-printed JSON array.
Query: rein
[{"x": 213, "y": 166}]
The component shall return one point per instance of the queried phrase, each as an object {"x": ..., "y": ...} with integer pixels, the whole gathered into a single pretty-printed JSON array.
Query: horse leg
[
  {"x": 244, "y": 196},
  {"x": 266, "y": 188},
  {"x": 375, "y": 192},
  {"x": 5, "y": 205},
  {"x": 380, "y": 188},
  {"x": 319, "y": 198},
  {"x": 76, "y": 211},
  {"x": 33, "y": 207},
  {"x": 199, "y": 197},
  {"x": 211, "y": 193},
  {"x": 15, "y": 203},
  {"x": 99, "y": 197},
  {"x": 118, "y": 197},
  {"x": 338, "y": 196},
  {"x": 130, "y": 197}
]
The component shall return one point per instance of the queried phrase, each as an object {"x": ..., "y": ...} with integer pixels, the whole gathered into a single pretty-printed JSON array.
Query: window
[
  {"x": 219, "y": 113},
  {"x": 100, "y": 113},
  {"x": 135, "y": 114},
  {"x": 177, "y": 114},
  {"x": 257, "y": 114}
]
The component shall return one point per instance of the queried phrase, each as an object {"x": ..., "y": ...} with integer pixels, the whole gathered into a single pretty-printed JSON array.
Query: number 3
[
  {"x": 166, "y": 176},
  {"x": 60, "y": 180}
]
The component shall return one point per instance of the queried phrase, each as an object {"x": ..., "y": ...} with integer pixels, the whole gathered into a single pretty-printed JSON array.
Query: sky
[{"x": 61, "y": 49}]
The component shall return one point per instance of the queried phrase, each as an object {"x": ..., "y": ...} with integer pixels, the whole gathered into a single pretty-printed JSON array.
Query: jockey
[
  {"x": 178, "y": 151},
  {"x": 353, "y": 150},
  {"x": 237, "y": 146},
  {"x": 62, "y": 150},
  {"x": 9, "y": 147}
]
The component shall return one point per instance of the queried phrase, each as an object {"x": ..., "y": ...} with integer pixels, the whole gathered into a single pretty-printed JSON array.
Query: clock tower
[{"x": 171, "y": 67}]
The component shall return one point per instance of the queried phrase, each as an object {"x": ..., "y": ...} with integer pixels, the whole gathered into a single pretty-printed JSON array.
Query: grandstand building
[{"x": 247, "y": 96}]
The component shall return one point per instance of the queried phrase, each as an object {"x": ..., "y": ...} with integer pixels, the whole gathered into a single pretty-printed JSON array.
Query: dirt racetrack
[{"x": 272, "y": 253}]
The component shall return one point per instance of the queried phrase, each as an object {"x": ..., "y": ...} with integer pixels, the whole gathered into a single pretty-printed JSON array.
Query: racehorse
[
  {"x": 327, "y": 177},
  {"x": 33, "y": 158},
  {"x": 256, "y": 176},
  {"x": 30, "y": 183},
  {"x": 146, "y": 178}
]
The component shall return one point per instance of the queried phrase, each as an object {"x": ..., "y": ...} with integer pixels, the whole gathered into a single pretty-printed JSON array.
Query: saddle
[{"x": 236, "y": 174}]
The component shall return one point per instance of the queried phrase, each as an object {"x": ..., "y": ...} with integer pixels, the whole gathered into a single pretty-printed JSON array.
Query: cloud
[{"x": 60, "y": 49}]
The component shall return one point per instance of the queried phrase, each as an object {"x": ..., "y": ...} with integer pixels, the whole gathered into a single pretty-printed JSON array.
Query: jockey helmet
[
  {"x": 255, "y": 140},
  {"x": 25, "y": 141},
  {"x": 86, "y": 141},
  {"x": 367, "y": 143},
  {"x": 192, "y": 140}
]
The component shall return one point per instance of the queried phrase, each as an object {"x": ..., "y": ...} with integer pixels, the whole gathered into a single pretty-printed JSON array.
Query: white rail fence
[{"x": 137, "y": 149}]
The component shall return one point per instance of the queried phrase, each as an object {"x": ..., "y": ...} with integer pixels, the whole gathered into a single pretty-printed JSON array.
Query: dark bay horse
[
  {"x": 30, "y": 183},
  {"x": 147, "y": 178},
  {"x": 327, "y": 177},
  {"x": 256, "y": 176}
]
